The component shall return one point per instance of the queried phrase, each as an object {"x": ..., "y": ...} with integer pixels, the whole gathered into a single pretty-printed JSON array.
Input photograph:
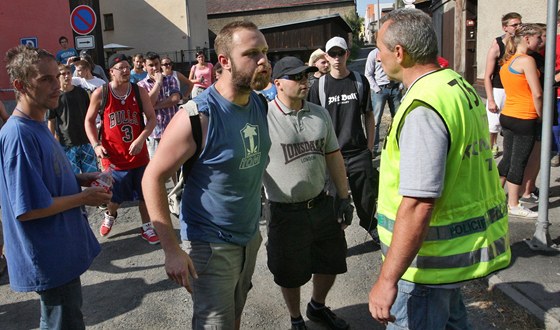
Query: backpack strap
[
  {"x": 101, "y": 110},
  {"x": 359, "y": 86},
  {"x": 139, "y": 102},
  {"x": 322, "y": 96},
  {"x": 192, "y": 109},
  {"x": 264, "y": 101}
]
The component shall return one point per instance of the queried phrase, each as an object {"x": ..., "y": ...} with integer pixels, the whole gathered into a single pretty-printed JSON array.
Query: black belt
[
  {"x": 309, "y": 204},
  {"x": 389, "y": 85}
]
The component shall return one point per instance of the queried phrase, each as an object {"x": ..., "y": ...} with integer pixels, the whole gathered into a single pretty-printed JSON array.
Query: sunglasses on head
[
  {"x": 295, "y": 77},
  {"x": 336, "y": 53}
]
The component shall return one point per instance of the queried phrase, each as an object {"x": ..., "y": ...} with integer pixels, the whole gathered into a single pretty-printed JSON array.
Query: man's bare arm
[{"x": 176, "y": 147}]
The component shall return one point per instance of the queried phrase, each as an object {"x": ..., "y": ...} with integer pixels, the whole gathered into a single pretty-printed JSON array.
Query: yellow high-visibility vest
[{"x": 468, "y": 233}]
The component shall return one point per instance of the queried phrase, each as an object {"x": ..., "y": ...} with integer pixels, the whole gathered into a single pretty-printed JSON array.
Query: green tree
[{"x": 356, "y": 23}]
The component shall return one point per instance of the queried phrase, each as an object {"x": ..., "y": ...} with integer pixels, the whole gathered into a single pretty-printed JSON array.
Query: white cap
[{"x": 336, "y": 42}]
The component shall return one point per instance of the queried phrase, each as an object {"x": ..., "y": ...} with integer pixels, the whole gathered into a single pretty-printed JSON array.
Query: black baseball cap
[
  {"x": 290, "y": 65},
  {"x": 117, "y": 58}
]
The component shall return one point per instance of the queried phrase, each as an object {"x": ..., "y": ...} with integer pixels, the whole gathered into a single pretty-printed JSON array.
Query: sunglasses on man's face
[
  {"x": 296, "y": 77},
  {"x": 336, "y": 53},
  {"x": 165, "y": 64}
]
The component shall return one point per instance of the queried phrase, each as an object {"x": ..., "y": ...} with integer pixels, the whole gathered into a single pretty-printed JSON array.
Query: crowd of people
[
  {"x": 309, "y": 140},
  {"x": 514, "y": 80}
]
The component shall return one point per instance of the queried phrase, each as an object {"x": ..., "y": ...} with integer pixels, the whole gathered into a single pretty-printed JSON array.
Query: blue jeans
[
  {"x": 61, "y": 307},
  {"x": 392, "y": 96},
  {"x": 422, "y": 307}
]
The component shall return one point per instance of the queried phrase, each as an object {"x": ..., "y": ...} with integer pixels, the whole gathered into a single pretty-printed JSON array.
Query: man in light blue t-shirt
[
  {"x": 66, "y": 52},
  {"x": 48, "y": 241}
]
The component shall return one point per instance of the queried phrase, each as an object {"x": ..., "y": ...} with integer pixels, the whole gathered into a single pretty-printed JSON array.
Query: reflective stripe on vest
[
  {"x": 454, "y": 230},
  {"x": 485, "y": 254}
]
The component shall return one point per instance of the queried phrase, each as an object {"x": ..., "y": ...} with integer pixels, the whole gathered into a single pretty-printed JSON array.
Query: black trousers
[
  {"x": 519, "y": 139},
  {"x": 364, "y": 185}
]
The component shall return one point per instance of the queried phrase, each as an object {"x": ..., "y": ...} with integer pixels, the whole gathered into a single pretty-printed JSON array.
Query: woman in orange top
[{"x": 522, "y": 110}]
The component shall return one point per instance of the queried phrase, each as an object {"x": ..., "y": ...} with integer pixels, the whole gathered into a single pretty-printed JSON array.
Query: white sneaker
[
  {"x": 555, "y": 161},
  {"x": 107, "y": 224},
  {"x": 521, "y": 211}
]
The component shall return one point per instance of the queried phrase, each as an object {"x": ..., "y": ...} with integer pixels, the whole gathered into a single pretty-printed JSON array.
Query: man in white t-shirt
[{"x": 85, "y": 78}]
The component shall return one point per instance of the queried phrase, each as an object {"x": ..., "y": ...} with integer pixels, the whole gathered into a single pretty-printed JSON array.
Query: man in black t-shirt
[
  {"x": 66, "y": 122},
  {"x": 350, "y": 108}
]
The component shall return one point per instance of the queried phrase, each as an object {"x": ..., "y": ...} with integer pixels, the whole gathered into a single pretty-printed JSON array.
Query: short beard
[{"x": 244, "y": 82}]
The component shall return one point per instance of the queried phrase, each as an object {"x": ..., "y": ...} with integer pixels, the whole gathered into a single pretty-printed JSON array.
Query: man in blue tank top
[{"x": 220, "y": 209}]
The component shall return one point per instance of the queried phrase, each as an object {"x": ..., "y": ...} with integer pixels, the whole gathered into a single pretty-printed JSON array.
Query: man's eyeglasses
[
  {"x": 336, "y": 53},
  {"x": 122, "y": 69},
  {"x": 165, "y": 64},
  {"x": 295, "y": 77}
]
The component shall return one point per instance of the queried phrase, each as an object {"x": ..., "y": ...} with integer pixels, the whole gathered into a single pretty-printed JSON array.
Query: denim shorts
[
  {"x": 427, "y": 307},
  {"x": 224, "y": 280},
  {"x": 128, "y": 185}
]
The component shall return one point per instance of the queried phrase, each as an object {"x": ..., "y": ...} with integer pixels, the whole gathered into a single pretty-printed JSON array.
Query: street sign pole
[
  {"x": 97, "y": 52},
  {"x": 541, "y": 240}
]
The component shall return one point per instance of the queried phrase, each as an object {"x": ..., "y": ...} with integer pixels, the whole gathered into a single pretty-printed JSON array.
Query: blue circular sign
[{"x": 83, "y": 19}]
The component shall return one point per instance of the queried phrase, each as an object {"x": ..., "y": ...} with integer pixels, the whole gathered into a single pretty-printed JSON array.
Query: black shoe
[
  {"x": 3, "y": 265},
  {"x": 374, "y": 236},
  {"x": 299, "y": 326},
  {"x": 327, "y": 317}
]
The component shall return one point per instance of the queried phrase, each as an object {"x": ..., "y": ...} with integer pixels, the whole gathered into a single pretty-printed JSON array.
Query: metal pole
[
  {"x": 541, "y": 238},
  {"x": 378, "y": 16}
]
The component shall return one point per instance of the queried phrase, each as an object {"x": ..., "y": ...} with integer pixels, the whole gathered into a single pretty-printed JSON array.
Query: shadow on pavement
[
  {"x": 21, "y": 315},
  {"x": 354, "y": 315},
  {"x": 128, "y": 295},
  {"x": 123, "y": 249},
  {"x": 364, "y": 248},
  {"x": 535, "y": 292}
]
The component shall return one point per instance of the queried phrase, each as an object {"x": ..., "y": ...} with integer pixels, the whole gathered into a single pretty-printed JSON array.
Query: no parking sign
[{"x": 83, "y": 19}]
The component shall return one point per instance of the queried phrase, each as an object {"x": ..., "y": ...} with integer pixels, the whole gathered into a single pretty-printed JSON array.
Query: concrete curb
[{"x": 547, "y": 319}]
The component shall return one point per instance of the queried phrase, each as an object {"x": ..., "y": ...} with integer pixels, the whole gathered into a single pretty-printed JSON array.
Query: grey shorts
[{"x": 224, "y": 280}]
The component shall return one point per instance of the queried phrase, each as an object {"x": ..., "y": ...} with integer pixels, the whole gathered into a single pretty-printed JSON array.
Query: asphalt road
[{"x": 127, "y": 288}]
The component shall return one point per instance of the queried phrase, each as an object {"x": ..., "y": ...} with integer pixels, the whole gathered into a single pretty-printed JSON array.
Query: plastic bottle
[{"x": 104, "y": 179}]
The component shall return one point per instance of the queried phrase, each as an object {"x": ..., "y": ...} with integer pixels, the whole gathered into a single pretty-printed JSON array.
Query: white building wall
[
  {"x": 155, "y": 25},
  {"x": 489, "y": 24},
  {"x": 377, "y": 12}
]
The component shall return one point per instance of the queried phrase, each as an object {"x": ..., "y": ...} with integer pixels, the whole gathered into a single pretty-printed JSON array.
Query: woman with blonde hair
[{"x": 522, "y": 111}]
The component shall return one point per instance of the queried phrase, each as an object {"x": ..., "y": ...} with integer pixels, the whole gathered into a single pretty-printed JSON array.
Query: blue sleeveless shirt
[{"x": 222, "y": 197}]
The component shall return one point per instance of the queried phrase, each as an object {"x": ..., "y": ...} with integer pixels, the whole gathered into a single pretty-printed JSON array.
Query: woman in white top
[
  {"x": 167, "y": 70},
  {"x": 201, "y": 74}
]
